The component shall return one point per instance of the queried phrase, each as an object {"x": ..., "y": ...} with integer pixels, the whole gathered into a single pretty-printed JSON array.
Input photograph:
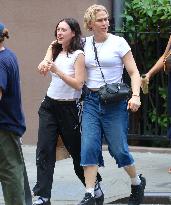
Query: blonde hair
[{"x": 90, "y": 14}]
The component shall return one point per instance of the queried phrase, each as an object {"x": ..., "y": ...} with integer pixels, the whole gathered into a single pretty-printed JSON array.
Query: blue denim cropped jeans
[{"x": 110, "y": 121}]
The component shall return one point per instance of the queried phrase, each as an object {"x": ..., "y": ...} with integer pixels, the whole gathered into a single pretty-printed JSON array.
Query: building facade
[{"x": 31, "y": 27}]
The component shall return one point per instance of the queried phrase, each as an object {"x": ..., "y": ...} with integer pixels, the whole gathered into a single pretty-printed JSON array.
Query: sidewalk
[{"x": 67, "y": 189}]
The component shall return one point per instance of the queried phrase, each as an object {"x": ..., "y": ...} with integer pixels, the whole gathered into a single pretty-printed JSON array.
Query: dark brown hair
[{"x": 75, "y": 43}]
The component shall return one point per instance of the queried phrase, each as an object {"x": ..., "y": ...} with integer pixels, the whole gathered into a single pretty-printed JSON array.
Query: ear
[
  {"x": 90, "y": 25},
  {"x": 73, "y": 34}
]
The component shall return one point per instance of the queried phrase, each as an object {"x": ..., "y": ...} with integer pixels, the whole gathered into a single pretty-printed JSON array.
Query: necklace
[
  {"x": 97, "y": 49},
  {"x": 99, "y": 46}
]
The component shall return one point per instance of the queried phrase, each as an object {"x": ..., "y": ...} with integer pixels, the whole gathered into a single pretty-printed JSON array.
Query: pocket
[
  {"x": 45, "y": 105},
  {"x": 74, "y": 112}
]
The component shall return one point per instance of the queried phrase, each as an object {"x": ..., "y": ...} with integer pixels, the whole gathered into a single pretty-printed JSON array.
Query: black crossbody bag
[{"x": 114, "y": 92}]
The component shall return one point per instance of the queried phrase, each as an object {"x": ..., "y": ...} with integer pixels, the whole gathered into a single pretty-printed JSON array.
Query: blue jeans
[{"x": 110, "y": 121}]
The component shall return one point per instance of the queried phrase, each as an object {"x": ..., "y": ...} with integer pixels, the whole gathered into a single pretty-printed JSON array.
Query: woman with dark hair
[{"x": 59, "y": 111}]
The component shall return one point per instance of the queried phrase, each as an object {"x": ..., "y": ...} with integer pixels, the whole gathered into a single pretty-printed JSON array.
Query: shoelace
[{"x": 87, "y": 196}]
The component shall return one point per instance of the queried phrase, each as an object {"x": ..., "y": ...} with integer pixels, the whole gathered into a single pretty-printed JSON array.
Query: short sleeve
[
  {"x": 3, "y": 77},
  {"x": 77, "y": 52},
  {"x": 123, "y": 47}
]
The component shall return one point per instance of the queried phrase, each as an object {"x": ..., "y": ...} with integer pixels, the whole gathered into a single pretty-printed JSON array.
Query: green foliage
[
  {"x": 146, "y": 26},
  {"x": 142, "y": 16},
  {"x": 146, "y": 14},
  {"x": 161, "y": 119}
]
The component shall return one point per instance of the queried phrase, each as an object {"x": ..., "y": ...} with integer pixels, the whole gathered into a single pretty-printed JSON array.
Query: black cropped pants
[{"x": 56, "y": 117}]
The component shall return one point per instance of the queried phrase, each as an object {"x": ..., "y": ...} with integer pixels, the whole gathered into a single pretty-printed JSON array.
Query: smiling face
[
  {"x": 100, "y": 24},
  {"x": 64, "y": 34}
]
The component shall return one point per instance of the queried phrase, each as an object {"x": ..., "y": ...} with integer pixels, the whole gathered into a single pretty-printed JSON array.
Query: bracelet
[
  {"x": 135, "y": 95},
  {"x": 62, "y": 76}
]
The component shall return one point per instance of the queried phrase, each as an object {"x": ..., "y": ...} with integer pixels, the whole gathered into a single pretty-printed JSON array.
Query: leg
[
  {"x": 71, "y": 136},
  {"x": 90, "y": 173},
  {"x": 91, "y": 147},
  {"x": 46, "y": 149},
  {"x": 115, "y": 125},
  {"x": 131, "y": 171},
  {"x": 11, "y": 169},
  {"x": 69, "y": 126}
]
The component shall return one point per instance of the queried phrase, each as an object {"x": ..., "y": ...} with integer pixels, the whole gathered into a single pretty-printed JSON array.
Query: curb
[
  {"x": 144, "y": 149},
  {"x": 149, "y": 198}
]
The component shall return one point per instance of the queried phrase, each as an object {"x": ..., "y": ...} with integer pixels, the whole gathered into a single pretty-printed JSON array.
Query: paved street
[{"x": 67, "y": 189}]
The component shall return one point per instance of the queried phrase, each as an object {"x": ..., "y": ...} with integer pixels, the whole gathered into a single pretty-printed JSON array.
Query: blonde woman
[{"x": 110, "y": 120}]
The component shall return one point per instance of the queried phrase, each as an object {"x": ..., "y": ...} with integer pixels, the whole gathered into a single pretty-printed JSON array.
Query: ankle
[
  {"x": 136, "y": 180},
  {"x": 97, "y": 190},
  {"x": 90, "y": 190}
]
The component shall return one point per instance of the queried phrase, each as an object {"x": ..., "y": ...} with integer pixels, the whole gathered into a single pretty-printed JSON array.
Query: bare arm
[
  {"x": 48, "y": 55},
  {"x": 75, "y": 81},
  {"x": 130, "y": 65},
  {"x": 133, "y": 72},
  {"x": 42, "y": 67},
  {"x": 159, "y": 64}
]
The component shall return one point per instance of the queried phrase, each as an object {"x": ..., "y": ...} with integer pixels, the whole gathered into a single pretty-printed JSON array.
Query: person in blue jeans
[
  {"x": 157, "y": 67},
  {"x": 13, "y": 176},
  {"x": 109, "y": 120}
]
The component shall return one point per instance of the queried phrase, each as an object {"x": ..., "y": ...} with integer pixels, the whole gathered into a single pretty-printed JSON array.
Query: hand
[
  {"x": 43, "y": 67},
  {"x": 52, "y": 67},
  {"x": 145, "y": 82},
  {"x": 134, "y": 103},
  {"x": 53, "y": 42}
]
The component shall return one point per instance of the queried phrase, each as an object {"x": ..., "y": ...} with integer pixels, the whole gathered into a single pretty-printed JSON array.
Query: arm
[
  {"x": 42, "y": 67},
  {"x": 159, "y": 64},
  {"x": 130, "y": 65},
  {"x": 48, "y": 56},
  {"x": 76, "y": 81}
]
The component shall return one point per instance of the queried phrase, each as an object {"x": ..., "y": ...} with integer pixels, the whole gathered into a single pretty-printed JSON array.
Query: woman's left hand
[
  {"x": 134, "y": 103},
  {"x": 52, "y": 67}
]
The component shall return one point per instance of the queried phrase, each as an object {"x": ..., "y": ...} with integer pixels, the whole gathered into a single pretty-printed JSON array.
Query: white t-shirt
[
  {"x": 110, "y": 54},
  {"x": 58, "y": 89}
]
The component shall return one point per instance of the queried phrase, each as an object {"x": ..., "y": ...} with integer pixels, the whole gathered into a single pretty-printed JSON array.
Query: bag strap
[{"x": 97, "y": 59}]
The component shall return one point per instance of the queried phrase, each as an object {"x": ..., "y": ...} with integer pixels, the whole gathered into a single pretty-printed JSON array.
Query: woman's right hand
[{"x": 43, "y": 67}]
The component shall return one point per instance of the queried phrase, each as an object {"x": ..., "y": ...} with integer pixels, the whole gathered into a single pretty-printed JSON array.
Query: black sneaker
[
  {"x": 88, "y": 200},
  {"x": 99, "y": 200},
  {"x": 41, "y": 201},
  {"x": 137, "y": 192}
]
